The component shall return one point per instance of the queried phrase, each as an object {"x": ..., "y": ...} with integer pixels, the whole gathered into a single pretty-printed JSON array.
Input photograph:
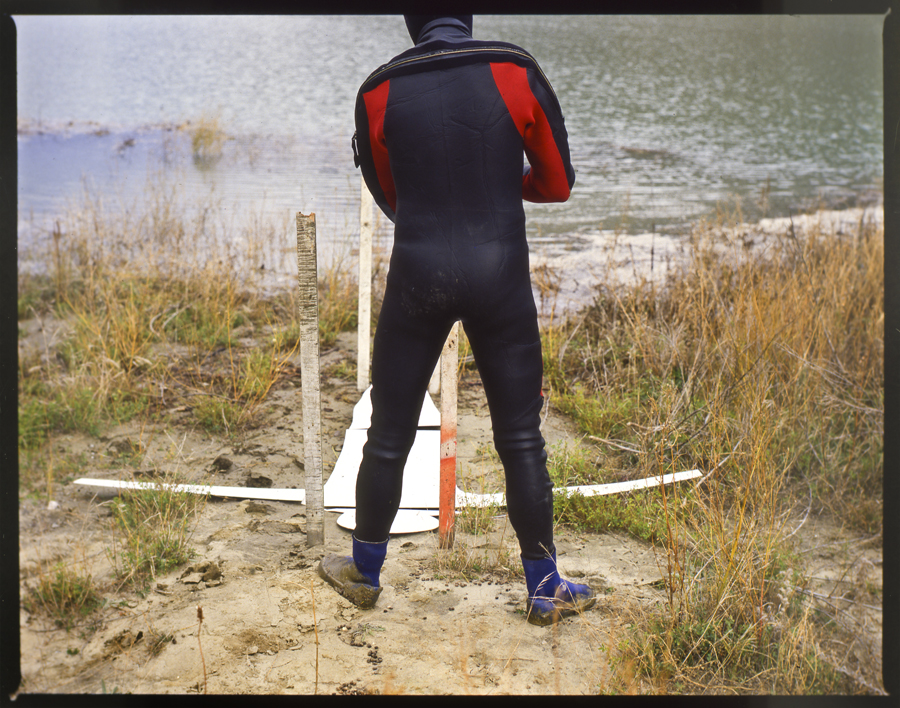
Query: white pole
[
  {"x": 308, "y": 306},
  {"x": 364, "y": 316}
]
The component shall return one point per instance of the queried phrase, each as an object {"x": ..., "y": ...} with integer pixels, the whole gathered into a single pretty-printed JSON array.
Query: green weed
[
  {"x": 46, "y": 408},
  {"x": 216, "y": 414},
  {"x": 478, "y": 520},
  {"x": 639, "y": 513},
  {"x": 344, "y": 369},
  {"x": 151, "y": 532},
  {"x": 65, "y": 594}
]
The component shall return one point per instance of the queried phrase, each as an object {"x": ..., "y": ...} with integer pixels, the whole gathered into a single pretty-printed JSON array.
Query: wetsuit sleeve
[
  {"x": 536, "y": 112},
  {"x": 371, "y": 148}
]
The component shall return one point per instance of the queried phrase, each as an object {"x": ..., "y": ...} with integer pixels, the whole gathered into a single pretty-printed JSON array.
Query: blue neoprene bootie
[
  {"x": 369, "y": 557},
  {"x": 550, "y": 597},
  {"x": 358, "y": 578}
]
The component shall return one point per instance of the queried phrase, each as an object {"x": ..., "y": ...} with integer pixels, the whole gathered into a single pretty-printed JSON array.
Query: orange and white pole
[{"x": 447, "y": 500}]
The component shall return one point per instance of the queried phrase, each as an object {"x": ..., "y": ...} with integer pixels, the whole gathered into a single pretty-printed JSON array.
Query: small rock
[
  {"x": 192, "y": 579},
  {"x": 255, "y": 507},
  {"x": 213, "y": 572},
  {"x": 222, "y": 464},
  {"x": 257, "y": 481},
  {"x": 125, "y": 446},
  {"x": 253, "y": 650}
]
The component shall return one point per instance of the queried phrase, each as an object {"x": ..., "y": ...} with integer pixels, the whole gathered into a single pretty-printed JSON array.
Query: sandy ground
[{"x": 271, "y": 625}]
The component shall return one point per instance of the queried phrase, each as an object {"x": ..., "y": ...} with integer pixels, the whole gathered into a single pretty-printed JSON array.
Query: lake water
[{"x": 668, "y": 117}]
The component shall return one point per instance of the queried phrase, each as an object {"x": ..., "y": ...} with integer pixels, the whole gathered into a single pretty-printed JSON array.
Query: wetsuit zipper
[{"x": 444, "y": 52}]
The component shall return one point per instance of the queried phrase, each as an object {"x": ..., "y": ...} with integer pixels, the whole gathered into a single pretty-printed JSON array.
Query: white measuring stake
[
  {"x": 308, "y": 306},
  {"x": 364, "y": 317}
]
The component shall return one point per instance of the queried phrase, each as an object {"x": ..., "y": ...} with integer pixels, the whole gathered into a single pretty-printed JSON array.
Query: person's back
[
  {"x": 441, "y": 131},
  {"x": 456, "y": 159},
  {"x": 456, "y": 162}
]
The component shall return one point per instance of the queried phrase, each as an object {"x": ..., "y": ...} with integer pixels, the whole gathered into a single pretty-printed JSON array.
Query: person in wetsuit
[{"x": 440, "y": 135}]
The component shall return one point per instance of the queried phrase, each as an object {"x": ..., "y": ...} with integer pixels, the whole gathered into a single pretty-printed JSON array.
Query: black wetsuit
[{"x": 441, "y": 131}]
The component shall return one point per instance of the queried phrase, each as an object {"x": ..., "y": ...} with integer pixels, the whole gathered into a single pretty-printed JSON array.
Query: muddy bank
[{"x": 271, "y": 625}]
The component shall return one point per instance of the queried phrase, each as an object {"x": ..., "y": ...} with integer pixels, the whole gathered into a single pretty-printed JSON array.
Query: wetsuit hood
[{"x": 423, "y": 28}]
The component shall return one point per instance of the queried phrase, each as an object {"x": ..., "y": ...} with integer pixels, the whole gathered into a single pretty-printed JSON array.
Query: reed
[
  {"x": 161, "y": 296},
  {"x": 762, "y": 369},
  {"x": 208, "y": 137}
]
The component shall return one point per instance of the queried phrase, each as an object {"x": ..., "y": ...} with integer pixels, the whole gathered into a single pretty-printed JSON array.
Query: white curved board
[
  {"x": 421, "y": 475},
  {"x": 406, "y": 521},
  {"x": 430, "y": 417}
]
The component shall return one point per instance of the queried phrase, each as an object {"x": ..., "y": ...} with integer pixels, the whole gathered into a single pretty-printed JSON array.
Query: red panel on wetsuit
[
  {"x": 547, "y": 181},
  {"x": 376, "y": 102}
]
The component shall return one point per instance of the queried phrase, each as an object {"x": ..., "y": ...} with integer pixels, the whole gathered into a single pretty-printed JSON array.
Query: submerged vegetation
[
  {"x": 762, "y": 368},
  {"x": 207, "y": 140}
]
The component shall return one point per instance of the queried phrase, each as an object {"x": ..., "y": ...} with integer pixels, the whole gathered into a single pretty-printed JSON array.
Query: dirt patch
[{"x": 271, "y": 625}]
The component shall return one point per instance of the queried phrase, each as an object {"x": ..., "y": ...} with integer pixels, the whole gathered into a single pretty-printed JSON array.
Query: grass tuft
[
  {"x": 763, "y": 370},
  {"x": 151, "y": 532},
  {"x": 65, "y": 593}
]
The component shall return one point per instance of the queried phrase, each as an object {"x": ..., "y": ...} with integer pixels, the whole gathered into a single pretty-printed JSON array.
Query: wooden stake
[
  {"x": 447, "y": 497},
  {"x": 364, "y": 318},
  {"x": 307, "y": 282}
]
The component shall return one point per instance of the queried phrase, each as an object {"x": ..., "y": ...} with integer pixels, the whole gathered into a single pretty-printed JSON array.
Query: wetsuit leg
[
  {"x": 404, "y": 354},
  {"x": 507, "y": 350},
  {"x": 493, "y": 298}
]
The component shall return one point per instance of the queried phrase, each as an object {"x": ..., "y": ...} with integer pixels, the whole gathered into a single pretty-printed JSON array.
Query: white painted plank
[
  {"x": 462, "y": 498},
  {"x": 268, "y": 493},
  {"x": 406, "y": 521},
  {"x": 430, "y": 417},
  {"x": 587, "y": 490},
  {"x": 420, "y": 476}
]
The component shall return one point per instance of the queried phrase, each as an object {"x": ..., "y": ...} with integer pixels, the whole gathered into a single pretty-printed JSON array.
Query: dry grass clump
[
  {"x": 207, "y": 140},
  {"x": 484, "y": 545},
  {"x": 763, "y": 368},
  {"x": 166, "y": 312},
  {"x": 67, "y": 593}
]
